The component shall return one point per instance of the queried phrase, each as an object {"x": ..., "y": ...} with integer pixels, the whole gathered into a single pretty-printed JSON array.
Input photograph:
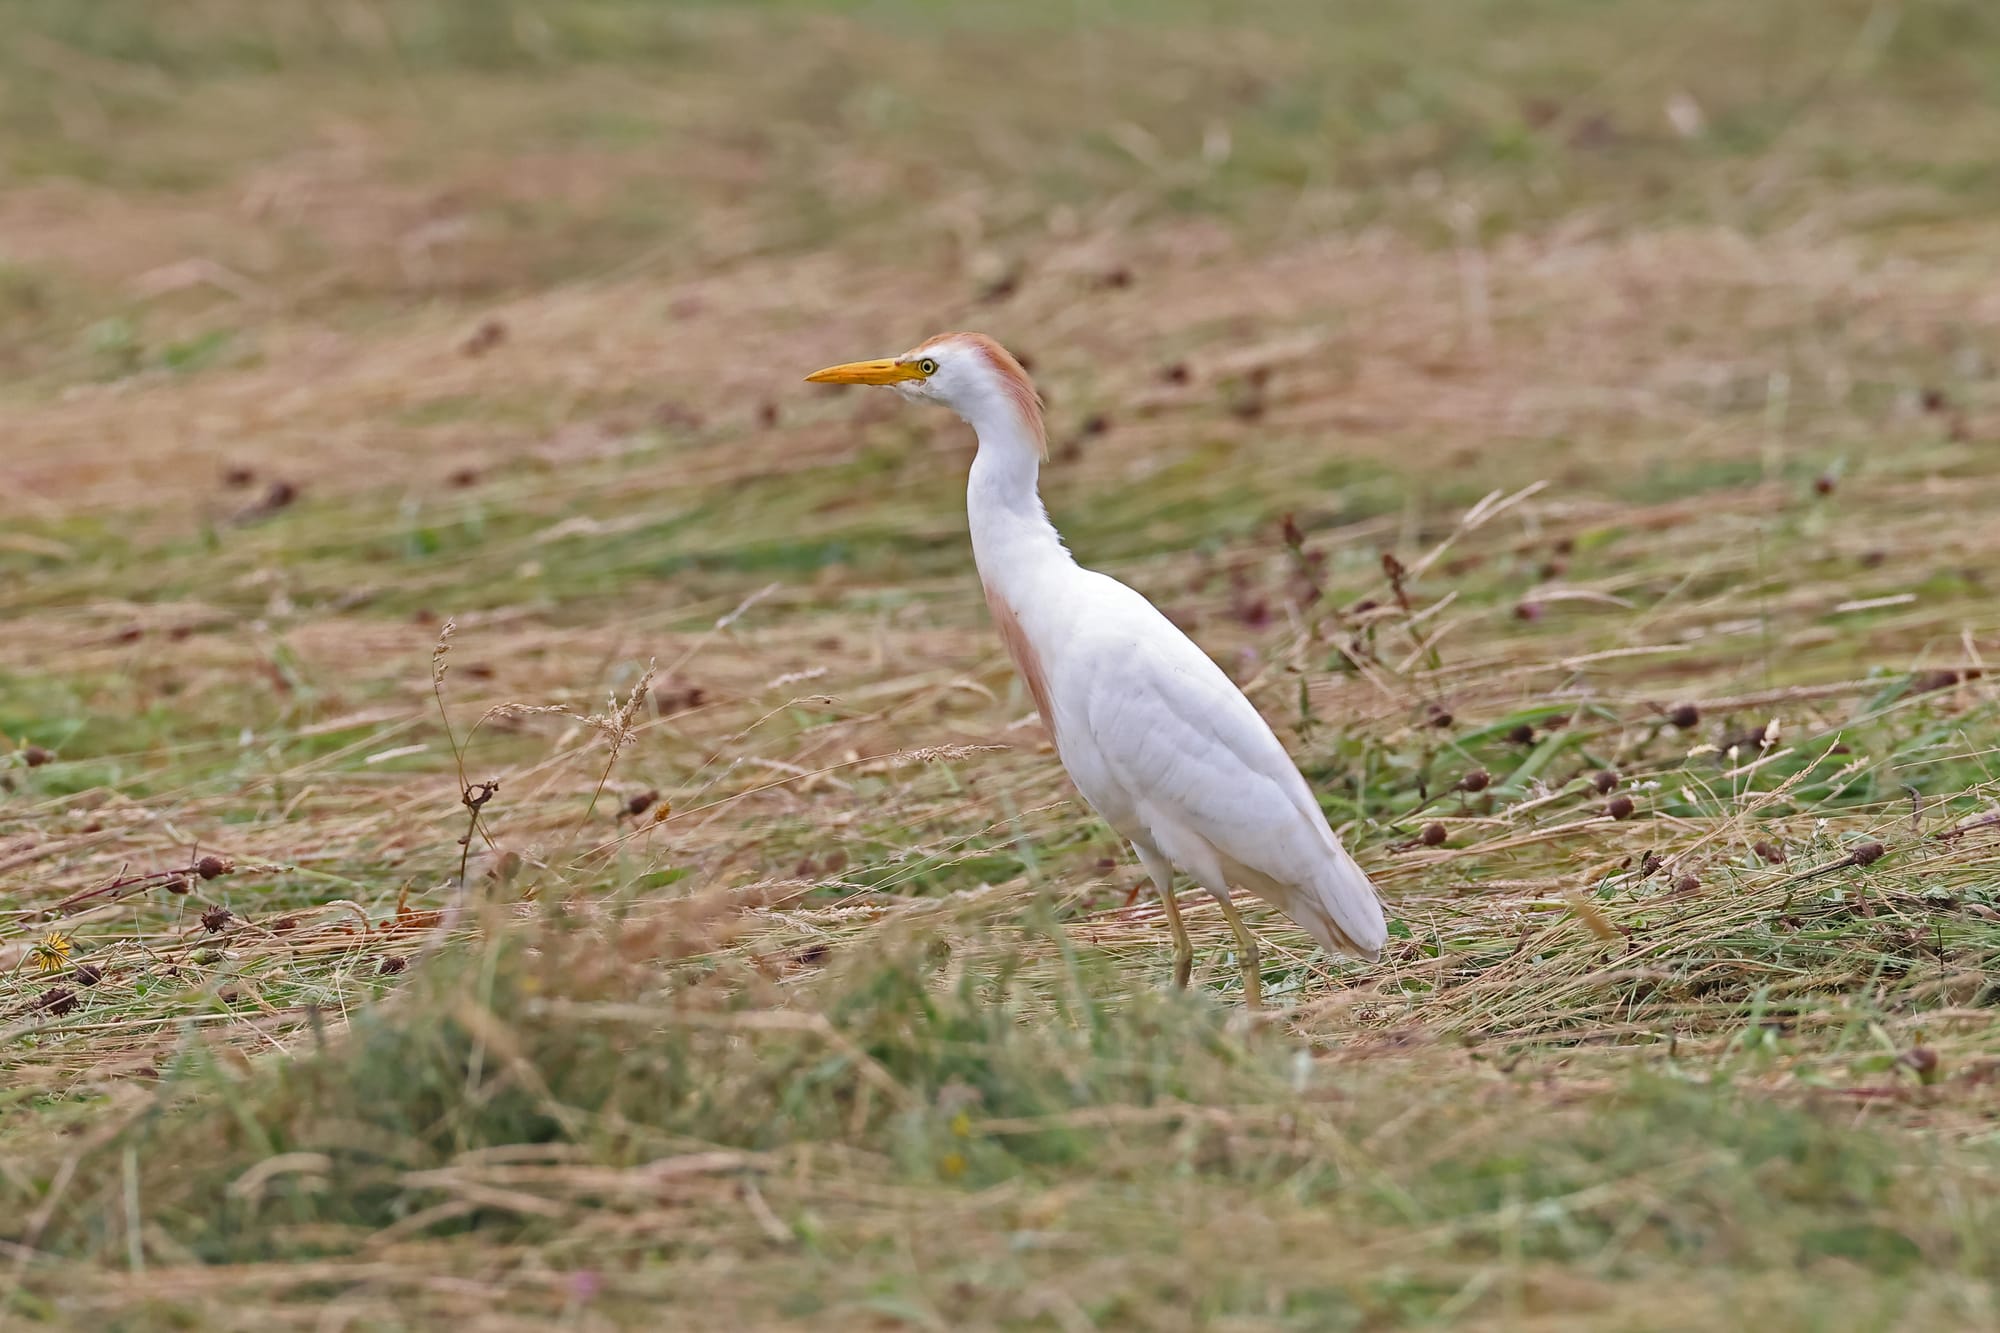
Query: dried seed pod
[
  {"x": 215, "y": 918},
  {"x": 213, "y": 867},
  {"x": 1770, "y": 852},
  {"x": 1685, "y": 716},
  {"x": 1921, "y": 1060},
  {"x": 1620, "y": 807},
  {"x": 1432, "y": 836},
  {"x": 1687, "y": 884},
  {"x": 1868, "y": 853},
  {"x": 1477, "y": 780},
  {"x": 489, "y": 335},
  {"x": 393, "y": 964},
  {"x": 1603, "y": 781}
]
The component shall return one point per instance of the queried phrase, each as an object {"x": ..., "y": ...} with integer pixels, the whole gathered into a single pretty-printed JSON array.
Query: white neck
[{"x": 1012, "y": 538}]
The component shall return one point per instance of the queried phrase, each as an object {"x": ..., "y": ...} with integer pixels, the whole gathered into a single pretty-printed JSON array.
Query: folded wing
[{"x": 1167, "y": 722}]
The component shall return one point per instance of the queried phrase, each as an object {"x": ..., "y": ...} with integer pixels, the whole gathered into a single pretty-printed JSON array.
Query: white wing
[{"x": 1169, "y": 727}]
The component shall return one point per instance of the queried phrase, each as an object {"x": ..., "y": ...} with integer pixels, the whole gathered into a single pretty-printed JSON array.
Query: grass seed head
[
  {"x": 440, "y": 650},
  {"x": 213, "y": 867}
]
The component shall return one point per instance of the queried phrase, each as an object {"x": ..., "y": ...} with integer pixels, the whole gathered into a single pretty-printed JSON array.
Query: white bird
[{"x": 1158, "y": 740}]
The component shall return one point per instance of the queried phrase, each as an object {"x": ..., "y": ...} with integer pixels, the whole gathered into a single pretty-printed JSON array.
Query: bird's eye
[{"x": 927, "y": 367}]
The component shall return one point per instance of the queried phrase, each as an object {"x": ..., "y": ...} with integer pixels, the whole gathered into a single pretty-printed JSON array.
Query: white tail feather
[{"x": 1341, "y": 909}]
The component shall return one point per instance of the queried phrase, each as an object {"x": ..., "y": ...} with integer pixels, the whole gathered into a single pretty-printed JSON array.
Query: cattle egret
[{"x": 1154, "y": 735}]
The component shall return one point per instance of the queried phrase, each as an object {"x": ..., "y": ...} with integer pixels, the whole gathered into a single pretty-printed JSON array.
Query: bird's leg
[
  {"x": 1183, "y": 946},
  {"x": 1161, "y": 872},
  {"x": 1246, "y": 954}
]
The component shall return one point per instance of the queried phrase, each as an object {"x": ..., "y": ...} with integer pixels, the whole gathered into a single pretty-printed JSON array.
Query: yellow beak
[{"x": 886, "y": 371}]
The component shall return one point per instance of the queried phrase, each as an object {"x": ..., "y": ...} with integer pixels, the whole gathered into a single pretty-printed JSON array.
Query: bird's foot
[{"x": 1248, "y": 1023}]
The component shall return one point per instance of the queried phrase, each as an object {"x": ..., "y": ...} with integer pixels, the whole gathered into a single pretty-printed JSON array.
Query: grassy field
[{"x": 512, "y": 815}]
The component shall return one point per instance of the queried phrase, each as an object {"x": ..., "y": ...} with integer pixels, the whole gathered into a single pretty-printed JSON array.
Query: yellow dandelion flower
[{"x": 51, "y": 952}]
